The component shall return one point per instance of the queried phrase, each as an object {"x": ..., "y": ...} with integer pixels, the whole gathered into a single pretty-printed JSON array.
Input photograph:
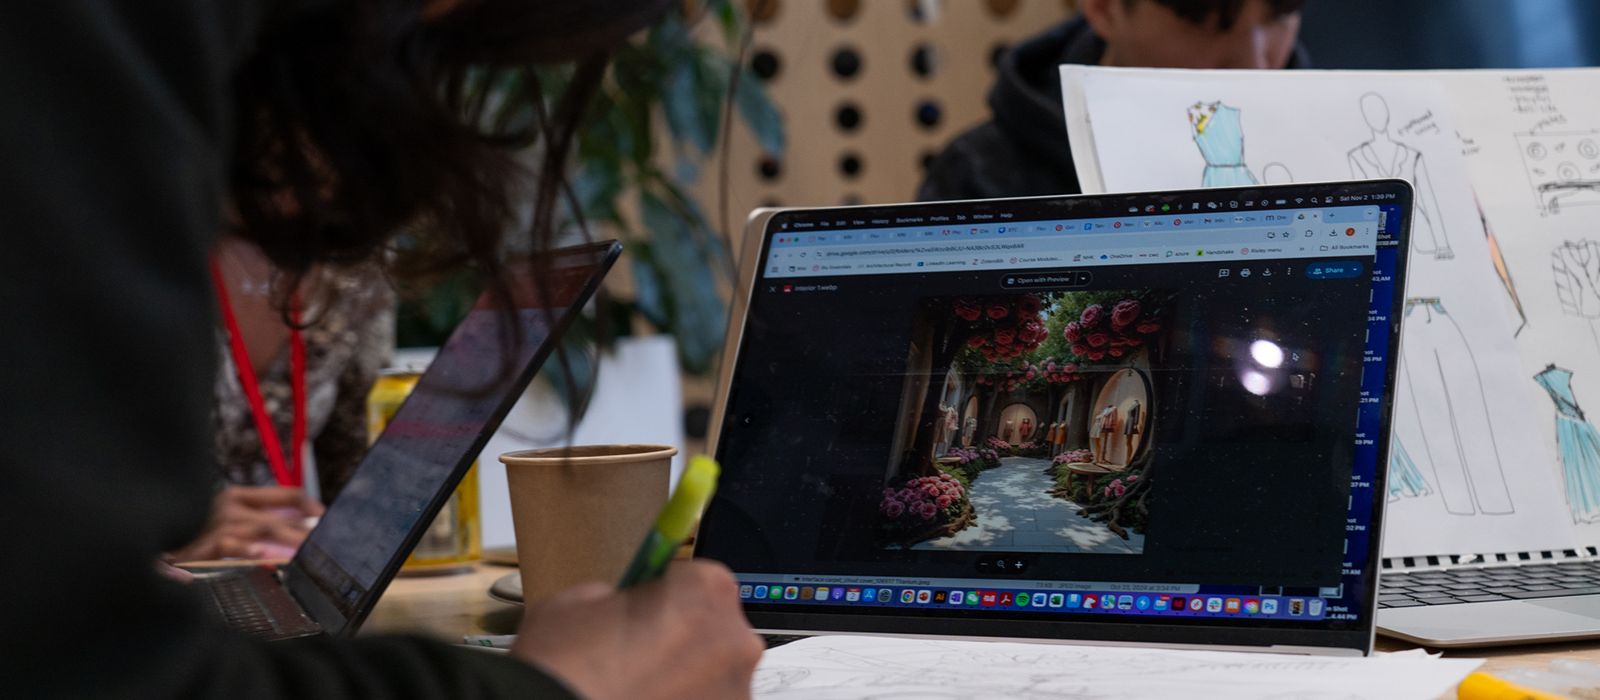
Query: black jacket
[
  {"x": 1023, "y": 151},
  {"x": 115, "y": 134}
]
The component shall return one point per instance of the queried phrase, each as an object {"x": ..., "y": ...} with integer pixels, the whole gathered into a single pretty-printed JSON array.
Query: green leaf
[
  {"x": 651, "y": 298},
  {"x": 689, "y": 98},
  {"x": 700, "y": 321},
  {"x": 758, "y": 113}
]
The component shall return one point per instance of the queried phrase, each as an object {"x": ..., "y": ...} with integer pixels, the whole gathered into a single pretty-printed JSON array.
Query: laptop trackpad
[
  {"x": 1587, "y": 606},
  {"x": 1484, "y": 623}
]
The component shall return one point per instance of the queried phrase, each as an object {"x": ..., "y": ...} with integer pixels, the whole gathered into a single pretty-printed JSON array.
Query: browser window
[{"x": 1150, "y": 412}]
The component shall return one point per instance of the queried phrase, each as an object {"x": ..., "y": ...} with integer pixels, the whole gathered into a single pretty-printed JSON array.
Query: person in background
[
  {"x": 318, "y": 129},
  {"x": 266, "y": 497},
  {"x": 1023, "y": 150}
]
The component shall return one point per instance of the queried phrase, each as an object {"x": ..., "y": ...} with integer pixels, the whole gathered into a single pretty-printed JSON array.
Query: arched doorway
[
  {"x": 1018, "y": 423},
  {"x": 1120, "y": 418},
  {"x": 969, "y": 423}
]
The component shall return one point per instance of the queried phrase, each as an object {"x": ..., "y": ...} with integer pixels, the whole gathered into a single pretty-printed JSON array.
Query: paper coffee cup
[{"x": 581, "y": 512}]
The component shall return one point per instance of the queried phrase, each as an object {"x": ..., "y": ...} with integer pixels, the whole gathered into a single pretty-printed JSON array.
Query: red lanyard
[{"x": 287, "y": 475}]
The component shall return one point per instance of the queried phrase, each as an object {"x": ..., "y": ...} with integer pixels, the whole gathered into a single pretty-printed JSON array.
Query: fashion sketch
[
  {"x": 1576, "y": 265},
  {"x": 1563, "y": 168},
  {"x": 1579, "y": 444},
  {"x": 1277, "y": 174},
  {"x": 1220, "y": 138},
  {"x": 1381, "y": 156},
  {"x": 1441, "y": 420}
]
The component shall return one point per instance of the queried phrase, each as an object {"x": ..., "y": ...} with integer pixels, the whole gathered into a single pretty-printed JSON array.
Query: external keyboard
[{"x": 1486, "y": 584}]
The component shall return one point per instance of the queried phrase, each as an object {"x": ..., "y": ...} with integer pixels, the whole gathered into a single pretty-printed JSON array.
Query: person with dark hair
[
  {"x": 134, "y": 134},
  {"x": 1023, "y": 150}
]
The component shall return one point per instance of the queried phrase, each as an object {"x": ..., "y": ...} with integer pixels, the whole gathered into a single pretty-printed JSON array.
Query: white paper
[
  {"x": 1492, "y": 486},
  {"x": 880, "y": 668}
]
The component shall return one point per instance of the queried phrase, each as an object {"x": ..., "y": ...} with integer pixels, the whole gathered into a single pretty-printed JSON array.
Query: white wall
[{"x": 638, "y": 400}]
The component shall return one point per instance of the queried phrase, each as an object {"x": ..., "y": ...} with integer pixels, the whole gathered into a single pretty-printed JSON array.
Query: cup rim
[{"x": 588, "y": 454}]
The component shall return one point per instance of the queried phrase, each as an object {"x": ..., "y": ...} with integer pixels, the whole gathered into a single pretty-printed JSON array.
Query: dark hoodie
[{"x": 1023, "y": 151}]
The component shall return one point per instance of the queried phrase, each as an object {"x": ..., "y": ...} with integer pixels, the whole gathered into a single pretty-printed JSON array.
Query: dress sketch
[
  {"x": 1277, "y": 174},
  {"x": 1405, "y": 481},
  {"x": 1576, "y": 265},
  {"x": 1579, "y": 443},
  {"x": 1382, "y": 157},
  {"x": 1441, "y": 420},
  {"x": 1217, "y": 132}
]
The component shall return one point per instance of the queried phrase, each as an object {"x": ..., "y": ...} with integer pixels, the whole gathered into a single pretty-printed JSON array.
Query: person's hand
[
  {"x": 684, "y": 636},
  {"x": 252, "y": 522}
]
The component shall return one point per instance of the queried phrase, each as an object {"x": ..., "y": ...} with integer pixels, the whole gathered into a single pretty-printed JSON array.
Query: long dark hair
[{"x": 360, "y": 119}]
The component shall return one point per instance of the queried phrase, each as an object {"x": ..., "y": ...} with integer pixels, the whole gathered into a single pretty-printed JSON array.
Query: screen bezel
[
  {"x": 1357, "y": 635},
  {"x": 343, "y": 620}
]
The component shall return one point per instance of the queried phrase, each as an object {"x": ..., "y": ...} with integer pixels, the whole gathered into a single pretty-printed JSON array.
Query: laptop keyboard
[
  {"x": 1482, "y": 585},
  {"x": 239, "y": 606},
  {"x": 778, "y": 640}
]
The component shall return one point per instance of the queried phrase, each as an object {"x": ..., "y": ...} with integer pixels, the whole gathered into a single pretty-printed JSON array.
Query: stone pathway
[{"x": 1016, "y": 513}]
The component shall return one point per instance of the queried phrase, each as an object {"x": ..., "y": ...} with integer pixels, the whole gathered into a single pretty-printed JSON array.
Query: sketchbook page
[
  {"x": 859, "y": 668},
  {"x": 1470, "y": 471},
  {"x": 1531, "y": 141},
  {"x": 1079, "y": 132}
]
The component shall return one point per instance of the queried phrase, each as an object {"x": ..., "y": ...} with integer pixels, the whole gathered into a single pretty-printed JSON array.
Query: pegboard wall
[{"x": 869, "y": 90}]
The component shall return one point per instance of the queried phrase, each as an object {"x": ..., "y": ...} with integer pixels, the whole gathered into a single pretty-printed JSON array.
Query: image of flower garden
[{"x": 1024, "y": 423}]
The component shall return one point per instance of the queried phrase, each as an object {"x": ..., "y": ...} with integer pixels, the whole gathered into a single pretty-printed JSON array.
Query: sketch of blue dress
[
  {"x": 1441, "y": 418},
  {"x": 1221, "y": 141},
  {"x": 1405, "y": 481},
  {"x": 1580, "y": 446}
]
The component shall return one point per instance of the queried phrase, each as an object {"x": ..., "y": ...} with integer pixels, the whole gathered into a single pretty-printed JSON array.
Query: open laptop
[
  {"x": 348, "y": 560},
  {"x": 920, "y": 402}
]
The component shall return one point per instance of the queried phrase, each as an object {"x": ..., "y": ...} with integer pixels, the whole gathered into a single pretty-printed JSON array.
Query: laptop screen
[
  {"x": 1081, "y": 412},
  {"x": 435, "y": 435}
]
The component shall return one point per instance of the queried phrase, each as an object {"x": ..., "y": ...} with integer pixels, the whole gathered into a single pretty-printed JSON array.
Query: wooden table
[
  {"x": 444, "y": 607},
  {"x": 448, "y": 607}
]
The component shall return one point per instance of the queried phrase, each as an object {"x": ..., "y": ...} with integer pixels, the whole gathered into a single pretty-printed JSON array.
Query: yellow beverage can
[{"x": 455, "y": 538}]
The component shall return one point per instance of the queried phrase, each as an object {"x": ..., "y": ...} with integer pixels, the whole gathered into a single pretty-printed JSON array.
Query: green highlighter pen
[{"x": 675, "y": 523}]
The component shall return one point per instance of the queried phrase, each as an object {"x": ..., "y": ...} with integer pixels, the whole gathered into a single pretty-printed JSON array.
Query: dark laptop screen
[
  {"x": 1099, "y": 410},
  {"x": 439, "y": 430}
]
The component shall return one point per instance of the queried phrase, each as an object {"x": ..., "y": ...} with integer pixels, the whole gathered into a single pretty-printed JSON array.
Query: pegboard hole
[
  {"x": 925, "y": 60},
  {"x": 850, "y": 165},
  {"x": 769, "y": 168},
  {"x": 848, "y": 117},
  {"x": 846, "y": 63},
  {"x": 762, "y": 11},
  {"x": 929, "y": 113},
  {"x": 844, "y": 10},
  {"x": 766, "y": 64},
  {"x": 925, "y": 11}
]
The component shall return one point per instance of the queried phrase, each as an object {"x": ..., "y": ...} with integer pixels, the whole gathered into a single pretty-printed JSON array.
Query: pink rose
[
  {"x": 1134, "y": 341},
  {"x": 1119, "y": 340},
  {"x": 927, "y": 510},
  {"x": 976, "y": 341},
  {"x": 1096, "y": 355},
  {"x": 1108, "y": 492},
  {"x": 1005, "y": 336},
  {"x": 1033, "y": 331},
  {"x": 943, "y": 502},
  {"x": 1098, "y": 339},
  {"x": 1073, "y": 332},
  {"x": 930, "y": 490},
  {"x": 895, "y": 509},
  {"x": 1028, "y": 306},
  {"x": 1118, "y": 488},
  {"x": 1133, "y": 478},
  {"x": 1080, "y": 349},
  {"x": 968, "y": 309},
  {"x": 1050, "y": 367},
  {"x": 1029, "y": 375},
  {"x": 1149, "y": 327},
  {"x": 908, "y": 495},
  {"x": 998, "y": 311},
  {"x": 1069, "y": 368},
  {"x": 1091, "y": 316},
  {"x": 1124, "y": 313}
]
